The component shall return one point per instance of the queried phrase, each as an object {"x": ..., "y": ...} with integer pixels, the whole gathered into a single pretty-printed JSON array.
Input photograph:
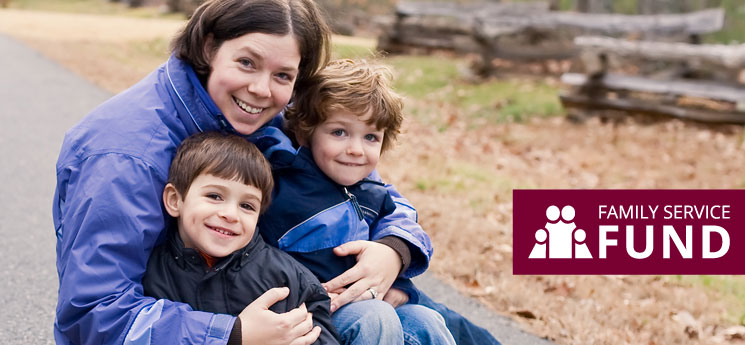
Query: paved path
[{"x": 39, "y": 100}]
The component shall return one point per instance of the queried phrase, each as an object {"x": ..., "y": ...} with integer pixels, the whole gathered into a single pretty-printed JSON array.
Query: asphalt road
[{"x": 39, "y": 101}]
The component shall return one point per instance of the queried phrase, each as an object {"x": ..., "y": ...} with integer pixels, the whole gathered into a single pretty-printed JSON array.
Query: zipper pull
[{"x": 354, "y": 203}]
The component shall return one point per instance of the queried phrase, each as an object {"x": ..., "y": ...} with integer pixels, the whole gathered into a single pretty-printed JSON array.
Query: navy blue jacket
[
  {"x": 311, "y": 214},
  {"x": 181, "y": 274}
]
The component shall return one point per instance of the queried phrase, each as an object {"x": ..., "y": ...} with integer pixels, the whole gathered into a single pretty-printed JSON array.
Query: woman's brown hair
[{"x": 217, "y": 21}]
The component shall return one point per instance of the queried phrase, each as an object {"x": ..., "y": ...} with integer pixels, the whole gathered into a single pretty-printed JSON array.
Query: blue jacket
[
  {"x": 108, "y": 214},
  {"x": 311, "y": 214}
]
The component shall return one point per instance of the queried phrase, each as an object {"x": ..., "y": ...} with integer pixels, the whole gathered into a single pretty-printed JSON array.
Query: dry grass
[
  {"x": 107, "y": 50},
  {"x": 461, "y": 178},
  {"x": 473, "y": 244}
]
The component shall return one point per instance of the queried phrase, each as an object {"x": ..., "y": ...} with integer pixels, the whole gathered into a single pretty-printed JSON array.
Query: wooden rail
[
  {"x": 690, "y": 88},
  {"x": 698, "y": 100},
  {"x": 726, "y": 56},
  {"x": 693, "y": 23}
]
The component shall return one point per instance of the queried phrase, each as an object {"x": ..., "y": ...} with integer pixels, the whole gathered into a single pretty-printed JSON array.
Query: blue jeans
[
  {"x": 463, "y": 330},
  {"x": 423, "y": 326},
  {"x": 377, "y": 322}
]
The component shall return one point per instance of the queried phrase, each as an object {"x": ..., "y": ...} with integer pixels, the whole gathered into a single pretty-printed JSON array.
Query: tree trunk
[
  {"x": 662, "y": 6},
  {"x": 595, "y": 6},
  {"x": 583, "y": 6},
  {"x": 602, "y": 6}
]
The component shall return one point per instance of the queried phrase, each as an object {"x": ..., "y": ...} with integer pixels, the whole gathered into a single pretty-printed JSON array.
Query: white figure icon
[
  {"x": 539, "y": 250},
  {"x": 560, "y": 236},
  {"x": 580, "y": 248}
]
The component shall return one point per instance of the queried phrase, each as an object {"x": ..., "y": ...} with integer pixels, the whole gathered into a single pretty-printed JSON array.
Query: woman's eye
[
  {"x": 214, "y": 196},
  {"x": 371, "y": 137},
  {"x": 246, "y": 63},
  {"x": 284, "y": 76},
  {"x": 338, "y": 132}
]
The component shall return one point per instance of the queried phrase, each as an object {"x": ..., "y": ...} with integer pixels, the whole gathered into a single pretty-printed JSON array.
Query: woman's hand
[
  {"x": 396, "y": 297},
  {"x": 259, "y": 325},
  {"x": 377, "y": 267}
]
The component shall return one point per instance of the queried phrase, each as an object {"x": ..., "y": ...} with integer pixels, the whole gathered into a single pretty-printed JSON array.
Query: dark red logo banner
[{"x": 628, "y": 231}]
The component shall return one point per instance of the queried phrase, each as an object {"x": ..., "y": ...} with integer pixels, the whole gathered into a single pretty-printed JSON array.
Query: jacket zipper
[{"x": 354, "y": 203}]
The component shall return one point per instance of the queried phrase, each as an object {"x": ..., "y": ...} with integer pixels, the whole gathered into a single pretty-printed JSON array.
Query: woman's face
[{"x": 253, "y": 77}]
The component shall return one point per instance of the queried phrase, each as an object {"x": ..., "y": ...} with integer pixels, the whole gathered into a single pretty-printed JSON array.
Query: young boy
[
  {"x": 323, "y": 195},
  {"x": 214, "y": 260}
]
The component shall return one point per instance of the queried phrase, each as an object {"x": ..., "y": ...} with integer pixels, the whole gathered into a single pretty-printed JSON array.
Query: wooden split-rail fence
[
  {"x": 523, "y": 31},
  {"x": 701, "y": 82},
  {"x": 636, "y": 63}
]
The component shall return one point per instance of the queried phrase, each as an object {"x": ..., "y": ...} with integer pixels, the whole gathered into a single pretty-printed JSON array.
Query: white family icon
[{"x": 560, "y": 236}]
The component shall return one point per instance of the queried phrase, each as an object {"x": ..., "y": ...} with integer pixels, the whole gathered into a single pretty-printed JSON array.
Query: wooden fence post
[{"x": 595, "y": 6}]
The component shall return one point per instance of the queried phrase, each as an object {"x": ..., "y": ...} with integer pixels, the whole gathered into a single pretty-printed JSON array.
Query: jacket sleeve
[
  {"x": 318, "y": 303},
  {"x": 402, "y": 222},
  {"x": 107, "y": 217}
]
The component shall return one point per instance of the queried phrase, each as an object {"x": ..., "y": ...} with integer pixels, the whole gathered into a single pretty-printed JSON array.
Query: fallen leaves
[{"x": 473, "y": 244}]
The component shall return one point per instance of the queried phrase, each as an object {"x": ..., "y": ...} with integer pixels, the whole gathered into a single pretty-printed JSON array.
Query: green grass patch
[
  {"x": 499, "y": 100},
  {"x": 351, "y": 51},
  {"x": 436, "y": 81},
  {"x": 420, "y": 76},
  {"x": 730, "y": 288},
  {"x": 460, "y": 178},
  {"x": 734, "y": 24}
]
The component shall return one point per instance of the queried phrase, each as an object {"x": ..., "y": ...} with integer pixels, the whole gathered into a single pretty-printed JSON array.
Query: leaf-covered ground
[
  {"x": 469, "y": 217},
  {"x": 460, "y": 177}
]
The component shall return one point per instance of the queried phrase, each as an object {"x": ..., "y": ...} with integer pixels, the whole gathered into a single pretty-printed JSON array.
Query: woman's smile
[{"x": 247, "y": 108}]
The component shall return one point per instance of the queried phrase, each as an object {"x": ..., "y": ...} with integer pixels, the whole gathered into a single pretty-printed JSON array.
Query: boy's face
[
  {"x": 345, "y": 147},
  {"x": 217, "y": 216}
]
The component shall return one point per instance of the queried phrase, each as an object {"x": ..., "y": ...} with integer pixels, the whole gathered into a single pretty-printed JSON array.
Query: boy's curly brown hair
[{"x": 358, "y": 86}]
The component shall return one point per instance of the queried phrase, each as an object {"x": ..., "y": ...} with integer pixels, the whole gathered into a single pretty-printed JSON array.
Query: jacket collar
[
  {"x": 196, "y": 108},
  {"x": 189, "y": 256}
]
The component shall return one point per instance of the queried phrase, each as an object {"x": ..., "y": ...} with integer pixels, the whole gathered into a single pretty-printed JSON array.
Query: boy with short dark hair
[{"x": 214, "y": 259}]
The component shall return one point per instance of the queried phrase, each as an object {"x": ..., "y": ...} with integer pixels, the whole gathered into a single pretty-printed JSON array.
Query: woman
[{"x": 234, "y": 67}]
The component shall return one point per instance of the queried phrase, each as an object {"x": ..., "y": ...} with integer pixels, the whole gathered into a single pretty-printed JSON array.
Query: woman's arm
[
  {"x": 108, "y": 217},
  {"x": 402, "y": 223}
]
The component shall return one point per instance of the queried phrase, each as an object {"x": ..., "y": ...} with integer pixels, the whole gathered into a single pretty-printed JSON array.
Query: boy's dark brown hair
[
  {"x": 357, "y": 86},
  {"x": 217, "y": 21},
  {"x": 226, "y": 156}
]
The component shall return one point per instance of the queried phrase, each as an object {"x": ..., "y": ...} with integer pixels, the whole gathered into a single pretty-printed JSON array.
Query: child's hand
[
  {"x": 259, "y": 325},
  {"x": 396, "y": 297}
]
